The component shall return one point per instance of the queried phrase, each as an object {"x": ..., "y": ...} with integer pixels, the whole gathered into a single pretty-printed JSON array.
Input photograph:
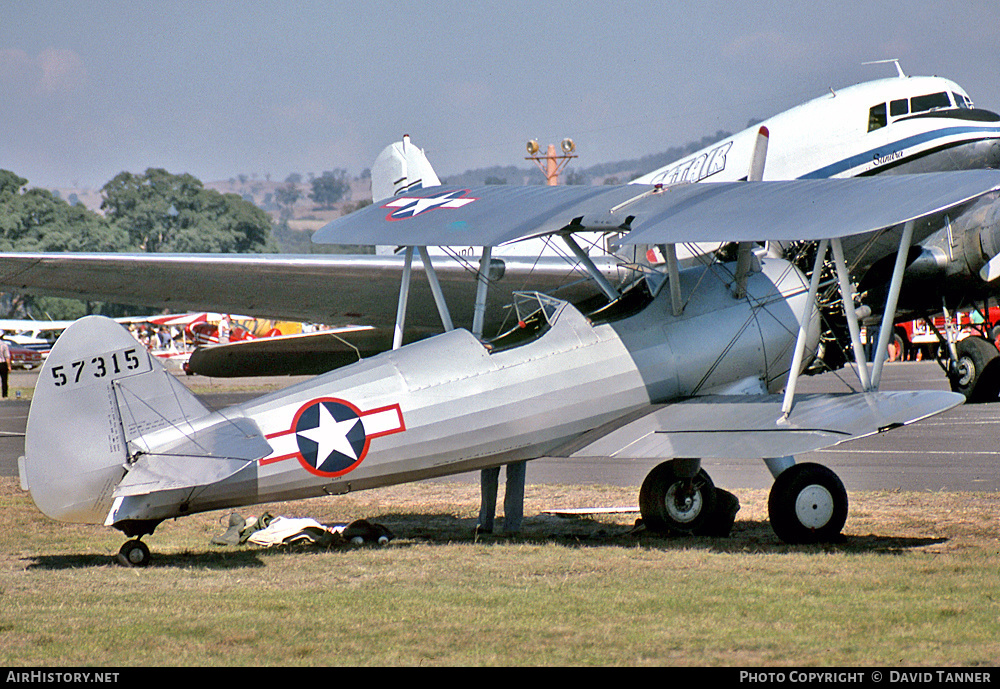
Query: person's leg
[
  {"x": 513, "y": 497},
  {"x": 488, "y": 482}
]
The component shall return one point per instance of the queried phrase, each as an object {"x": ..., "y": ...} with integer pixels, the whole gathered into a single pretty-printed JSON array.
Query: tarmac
[{"x": 953, "y": 451}]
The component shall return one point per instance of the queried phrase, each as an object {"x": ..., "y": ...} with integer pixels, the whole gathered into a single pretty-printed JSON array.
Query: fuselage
[
  {"x": 898, "y": 125},
  {"x": 452, "y": 403}
]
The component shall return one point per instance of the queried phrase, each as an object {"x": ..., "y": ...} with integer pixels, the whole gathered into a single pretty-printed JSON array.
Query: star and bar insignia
[
  {"x": 412, "y": 206},
  {"x": 330, "y": 437}
]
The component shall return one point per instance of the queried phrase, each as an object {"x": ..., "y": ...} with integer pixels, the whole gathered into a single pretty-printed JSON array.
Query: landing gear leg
[
  {"x": 807, "y": 504},
  {"x": 134, "y": 554}
]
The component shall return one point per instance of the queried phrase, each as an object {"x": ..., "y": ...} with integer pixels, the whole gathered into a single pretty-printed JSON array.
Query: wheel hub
[
  {"x": 683, "y": 503},
  {"x": 814, "y": 506},
  {"x": 966, "y": 371}
]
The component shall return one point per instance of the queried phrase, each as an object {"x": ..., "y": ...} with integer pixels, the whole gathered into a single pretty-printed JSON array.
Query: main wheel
[
  {"x": 134, "y": 554},
  {"x": 671, "y": 502},
  {"x": 977, "y": 375},
  {"x": 807, "y": 504}
]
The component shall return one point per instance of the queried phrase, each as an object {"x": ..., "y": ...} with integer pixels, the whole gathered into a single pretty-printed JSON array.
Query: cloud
[
  {"x": 62, "y": 71},
  {"x": 53, "y": 71}
]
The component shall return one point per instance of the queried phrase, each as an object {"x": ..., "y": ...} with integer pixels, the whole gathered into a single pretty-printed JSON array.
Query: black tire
[
  {"x": 977, "y": 375},
  {"x": 807, "y": 504},
  {"x": 671, "y": 503},
  {"x": 134, "y": 554}
]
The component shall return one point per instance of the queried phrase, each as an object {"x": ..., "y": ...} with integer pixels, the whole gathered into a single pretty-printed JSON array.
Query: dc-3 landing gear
[
  {"x": 134, "y": 554},
  {"x": 976, "y": 372},
  {"x": 807, "y": 503}
]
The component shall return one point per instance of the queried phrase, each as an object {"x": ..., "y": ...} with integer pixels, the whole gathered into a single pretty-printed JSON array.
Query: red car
[{"x": 23, "y": 357}]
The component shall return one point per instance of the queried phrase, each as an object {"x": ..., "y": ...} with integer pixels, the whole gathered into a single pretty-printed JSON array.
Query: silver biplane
[{"x": 680, "y": 364}]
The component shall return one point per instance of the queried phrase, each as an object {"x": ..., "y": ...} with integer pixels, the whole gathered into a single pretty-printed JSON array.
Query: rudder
[{"x": 98, "y": 391}]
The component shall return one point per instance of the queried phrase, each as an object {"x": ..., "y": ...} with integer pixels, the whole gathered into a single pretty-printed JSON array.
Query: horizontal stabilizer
[
  {"x": 207, "y": 456},
  {"x": 748, "y": 427},
  {"x": 153, "y": 473}
]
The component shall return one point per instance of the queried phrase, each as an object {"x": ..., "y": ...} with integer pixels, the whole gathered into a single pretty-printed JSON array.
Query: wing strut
[
  {"x": 404, "y": 294},
  {"x": 609, "y": 291},
  {"x": 483, "y": 281},
  {"x": 432, "y": 278},
  {"x": 673, "y": 275},
  {"x": 800, "y": 341},
  {"x": 847, "y": 298},
  {"x": 889, "y": 316}
]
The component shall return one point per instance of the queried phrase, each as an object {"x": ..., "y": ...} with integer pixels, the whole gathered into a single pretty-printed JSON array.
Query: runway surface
[{"x": 954, "y": 451}]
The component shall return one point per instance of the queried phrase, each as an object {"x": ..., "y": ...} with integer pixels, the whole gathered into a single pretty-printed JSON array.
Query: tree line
[{"x": 153, "y": 212}]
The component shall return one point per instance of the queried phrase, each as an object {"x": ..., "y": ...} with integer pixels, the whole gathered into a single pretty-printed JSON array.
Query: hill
[{"x": 295, "y": 222}]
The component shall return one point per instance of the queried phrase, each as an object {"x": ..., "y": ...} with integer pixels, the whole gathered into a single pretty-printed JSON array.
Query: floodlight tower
[{"x": 553, "y": 163}]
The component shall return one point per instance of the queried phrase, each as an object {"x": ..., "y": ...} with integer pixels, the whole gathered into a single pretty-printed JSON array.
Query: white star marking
[
  {"x": 331, "y": 435},
  {"x": 427, "y": 203}
]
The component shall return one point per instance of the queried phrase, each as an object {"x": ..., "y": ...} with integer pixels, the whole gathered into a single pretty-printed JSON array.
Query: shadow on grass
[
  {"x": 414, "y": 529},
  {"x": 207, "y": 559},
  {"x": 746, "y": 536}
]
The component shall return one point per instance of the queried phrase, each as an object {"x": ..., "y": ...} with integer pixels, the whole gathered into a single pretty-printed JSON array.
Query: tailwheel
[
  {"x": 134, "y": 554},
  {"x": 674, "y": 500},
  {"x": 807, "y": 504}
]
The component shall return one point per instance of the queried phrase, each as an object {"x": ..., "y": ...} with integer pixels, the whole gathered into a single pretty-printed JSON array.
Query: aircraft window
[
  {"x": 899, "y": 107},
  {"x": 535, "y": 314},
  {"x": 876, "y": 117},
  {"x": 960, "y": 100},
  {"x": 929, "y": 102}
]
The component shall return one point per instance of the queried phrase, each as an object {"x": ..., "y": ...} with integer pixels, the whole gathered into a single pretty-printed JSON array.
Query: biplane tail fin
[
  {"x": 401, "y": 167},
  {"x": 99, "y": 392}
]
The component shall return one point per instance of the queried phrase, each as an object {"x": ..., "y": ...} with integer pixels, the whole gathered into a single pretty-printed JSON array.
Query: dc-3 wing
[{"x": 325, "y": 288}]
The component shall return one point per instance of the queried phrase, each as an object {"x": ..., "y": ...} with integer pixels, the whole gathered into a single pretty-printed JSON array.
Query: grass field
[{"x": 916, "y": 581}]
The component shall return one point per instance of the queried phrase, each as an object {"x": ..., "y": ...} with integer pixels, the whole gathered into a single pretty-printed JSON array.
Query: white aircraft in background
[
  {"x": 892, "y": 126},
  {"x": 899, "y": 125}
]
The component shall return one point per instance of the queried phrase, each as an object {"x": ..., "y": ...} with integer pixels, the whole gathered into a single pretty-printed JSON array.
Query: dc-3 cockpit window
[
  {"x": 876, "y": 117},
  {"x": 962, "y": 101},
  {"x": 929, "y": 102},
  {"x": 898, "y": 108}
]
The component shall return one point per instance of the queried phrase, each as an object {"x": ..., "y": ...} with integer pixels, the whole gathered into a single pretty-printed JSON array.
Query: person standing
[
  {"x": 5, "y": 364},
  {"x": 513, "y": 501},
  {"x": 224, "y": 329}
]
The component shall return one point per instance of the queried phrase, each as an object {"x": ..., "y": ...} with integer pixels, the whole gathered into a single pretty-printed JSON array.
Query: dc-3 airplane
[{"x": 900, "y": 125}]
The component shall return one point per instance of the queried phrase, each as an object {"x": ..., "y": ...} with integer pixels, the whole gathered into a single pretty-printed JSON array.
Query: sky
[{"x": 89, "y": 88}]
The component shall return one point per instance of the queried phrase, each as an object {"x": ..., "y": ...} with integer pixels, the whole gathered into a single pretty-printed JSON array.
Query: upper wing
[
  {"x": 737, "y": 211},
  {"x": 750, "y": 427}
]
